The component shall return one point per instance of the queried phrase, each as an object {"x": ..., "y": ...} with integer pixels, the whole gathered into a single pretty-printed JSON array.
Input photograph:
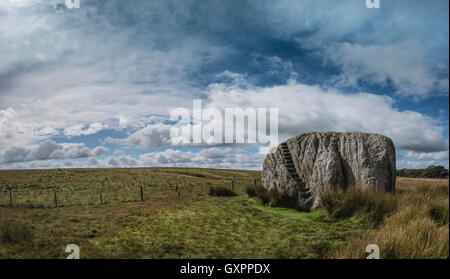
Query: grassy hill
[{"x": 101, "y": 211}]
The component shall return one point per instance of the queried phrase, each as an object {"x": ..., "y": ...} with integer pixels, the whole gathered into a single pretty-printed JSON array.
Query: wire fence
[
  {"x": 58, "y": 198},
  {"x": 50, "y": 197}
]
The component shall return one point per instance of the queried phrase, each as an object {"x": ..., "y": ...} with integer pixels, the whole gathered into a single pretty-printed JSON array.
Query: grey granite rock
[{"x": 305, "y": 165}]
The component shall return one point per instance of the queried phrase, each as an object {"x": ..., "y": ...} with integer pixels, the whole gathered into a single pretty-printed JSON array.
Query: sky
[{"x": 94, "y": 86}]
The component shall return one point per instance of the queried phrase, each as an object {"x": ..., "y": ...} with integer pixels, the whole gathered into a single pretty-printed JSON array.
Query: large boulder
[{"x": 306, "y": 165}]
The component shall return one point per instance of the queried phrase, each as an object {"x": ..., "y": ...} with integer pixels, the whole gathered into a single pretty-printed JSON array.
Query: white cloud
[
  {"x": 416, "y": 160},
  {"x": 208, "y": 158},
  {"x": 15, "y": 132},
  {"x": 80, "y": 129},
  {"x": 72, "y": 72},
  {"x": 91, "y": 162},
  {"x": 304, "y": 108},
  {"x": 78, "y": 72},
  {"x": 404, "y": 64},
  {"x": 411, "y": 164},
  {"x": 228, "y": 158},
  {"x": 151, "y": 135},
  {"x": 49, "y": 150},
  {"x": 439, "y": 156},
  {"x": 99, "y": 150},
  {"x": 405, "y": 42}
]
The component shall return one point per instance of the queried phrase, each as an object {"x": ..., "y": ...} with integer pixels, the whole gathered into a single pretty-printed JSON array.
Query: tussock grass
[
  {"x": 439, "y": 213},
  {"x": 221, "y": 191},
  {"x": 164, "y": 225},
  {"x": 15, "y": 232},
  {"x": 253, "y": 191},
  {"x": 376, "y": 205},
  {"x": 196, "y": 225},
  {"x": 417, "y": 227},
  {"x": 275, "y": 198},
  {"x": 272, "y": 197}
]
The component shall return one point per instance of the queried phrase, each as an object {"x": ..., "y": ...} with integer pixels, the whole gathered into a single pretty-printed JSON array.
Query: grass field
[{"x": 179, "y": 219}]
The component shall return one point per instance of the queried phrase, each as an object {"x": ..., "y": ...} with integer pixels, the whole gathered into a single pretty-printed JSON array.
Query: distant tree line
[{"x": 429, "y": 172}]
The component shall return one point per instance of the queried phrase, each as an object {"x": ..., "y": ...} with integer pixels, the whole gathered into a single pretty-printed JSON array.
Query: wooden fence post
[
  {"x": 254, "y": 182},
  {"x": 10, "y": 198},
  {"x": 232, "y": 185},
  {"x": 142, "y": 195},
  {"x": 101, "y": 197},
  {"x": 56, "y": 201}
]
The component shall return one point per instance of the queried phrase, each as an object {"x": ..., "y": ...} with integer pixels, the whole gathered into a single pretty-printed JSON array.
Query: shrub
[
  {"x": 439, "y": 213},
  {"x": 282, "y": 199},
  {"x": 330, "y": 200},
  {"x": 264, "y": 197},
  {"x": 274, "y": 198},
  {"x": 383, "y": 205},
  {"x": 417, "y": 227},
  {"x": 374, "y": 204},
  {"x": 253, "y": 191},
  {"x": 417, "y": 238},
  {"x": 429, "y": 172},
  {"x": 14, "y": 232},
  {"x": 321, "y": 248},
  {"x": 221, "y": 191}
]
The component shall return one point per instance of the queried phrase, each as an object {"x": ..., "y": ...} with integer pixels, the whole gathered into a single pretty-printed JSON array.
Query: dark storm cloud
[
  {"x": 311, "y": 34},
  {"x": 340, "y": 43}
]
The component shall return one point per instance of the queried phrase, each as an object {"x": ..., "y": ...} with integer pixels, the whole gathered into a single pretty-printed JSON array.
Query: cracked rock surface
[{"x": 305, "y": 165}]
